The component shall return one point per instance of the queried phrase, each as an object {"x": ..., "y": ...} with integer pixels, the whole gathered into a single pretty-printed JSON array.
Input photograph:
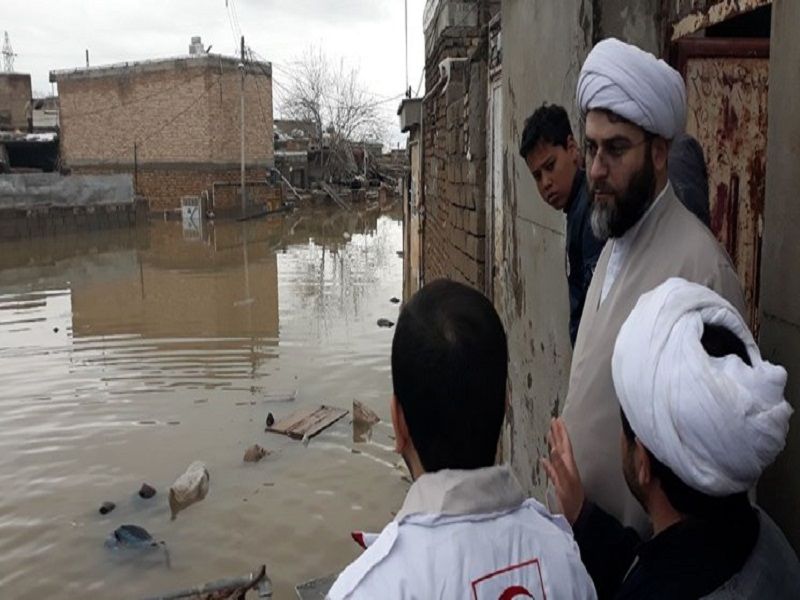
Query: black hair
[
  {"x": 550, "y": 124},
  {"x": 449, "y": 370},
  {"x": 718, "y": 341}
]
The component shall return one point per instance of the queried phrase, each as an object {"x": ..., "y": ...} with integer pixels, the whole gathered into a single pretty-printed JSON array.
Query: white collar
[{"x": 458, "y": 492}]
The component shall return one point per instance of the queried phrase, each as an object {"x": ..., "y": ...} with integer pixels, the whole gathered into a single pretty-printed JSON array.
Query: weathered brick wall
[
  {"x": 15, "y": 93},
  {"x": 185, "y": 112},
  {"x": 455, "y": 164}
]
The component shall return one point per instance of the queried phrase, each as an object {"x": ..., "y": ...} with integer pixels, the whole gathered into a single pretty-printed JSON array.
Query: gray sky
[{"x": 369, "y": 34}]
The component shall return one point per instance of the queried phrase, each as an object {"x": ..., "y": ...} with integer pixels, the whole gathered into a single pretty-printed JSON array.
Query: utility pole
[
  {"x": 241, "y": 69},
  {"x": 408, "y": 88}
]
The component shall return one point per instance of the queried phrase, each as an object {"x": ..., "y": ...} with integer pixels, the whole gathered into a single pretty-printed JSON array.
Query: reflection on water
[{"x": 126, "y": 355}]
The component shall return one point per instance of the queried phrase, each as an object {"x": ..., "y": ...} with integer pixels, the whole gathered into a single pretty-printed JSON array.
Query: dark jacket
[
  {"x": 583, "y": 250},
  {"x": 720, "y": 558}
]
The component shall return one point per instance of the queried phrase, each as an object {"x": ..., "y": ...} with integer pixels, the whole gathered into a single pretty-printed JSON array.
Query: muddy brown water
[{"x": 126, "y": 355}]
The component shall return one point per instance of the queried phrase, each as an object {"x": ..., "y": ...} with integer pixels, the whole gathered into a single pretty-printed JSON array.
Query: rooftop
[{"x": 161, "y": 64}]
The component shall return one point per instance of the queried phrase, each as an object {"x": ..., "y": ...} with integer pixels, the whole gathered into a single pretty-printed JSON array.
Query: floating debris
[
  {"x": 133, "y": 537},
  {"x": 394, "y": 300},
  {"x": 231, "y": 587},
  {"x": 130, "y": 536},
  {"x": 316, "y": 589},
  {"x": 254, "y": 453},
  {"x": 363, "y": 414},
  {"x": 307, "y": 422},
  {"x": 270, "y": 420},
  {"x": 385, "y": 323},
  {"x": 189, "y": 488},
  {"x": 147, "y": 491},
  {"x": 55, "y": 329},
  {"x": 107, "y": 507}
]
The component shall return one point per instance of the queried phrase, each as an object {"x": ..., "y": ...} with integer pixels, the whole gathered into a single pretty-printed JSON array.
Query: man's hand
[{"x": 563, "y": 472}]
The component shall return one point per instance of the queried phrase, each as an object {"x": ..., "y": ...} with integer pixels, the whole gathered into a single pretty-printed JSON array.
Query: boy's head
[
  {"x": 449, "y": 368},
  {"x": 551, "y": 153}
]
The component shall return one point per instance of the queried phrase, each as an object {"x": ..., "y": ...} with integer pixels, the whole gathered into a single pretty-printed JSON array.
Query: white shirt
[
  {"x": 621, "y": 248},
  {"x": 469, "y": 534}
]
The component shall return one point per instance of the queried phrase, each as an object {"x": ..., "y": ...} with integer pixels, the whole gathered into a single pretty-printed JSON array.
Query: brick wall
[
  {"x": 454, "y": 154},
  {"x": 179, "y": 111}
]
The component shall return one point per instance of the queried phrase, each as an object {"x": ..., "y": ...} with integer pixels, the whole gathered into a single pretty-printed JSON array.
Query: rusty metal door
[{"x": 727, "y": 85}]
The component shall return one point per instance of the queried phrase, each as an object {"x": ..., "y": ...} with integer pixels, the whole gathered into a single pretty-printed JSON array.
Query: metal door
[{"x": 727, "y": 86}]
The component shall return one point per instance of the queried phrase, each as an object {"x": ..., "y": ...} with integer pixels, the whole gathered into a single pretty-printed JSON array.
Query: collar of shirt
[
  {"x": 459, "y": 492},
  {"x": 621, "y": 246}
]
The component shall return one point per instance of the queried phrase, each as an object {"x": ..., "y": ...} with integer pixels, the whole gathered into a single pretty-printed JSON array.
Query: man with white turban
[
  {"x": 633, "y": 106},
  {"x": 702, "y": 416}
]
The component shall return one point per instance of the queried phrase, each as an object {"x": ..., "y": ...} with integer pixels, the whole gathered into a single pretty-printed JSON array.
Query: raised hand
[{"x": 563, "y": 472}]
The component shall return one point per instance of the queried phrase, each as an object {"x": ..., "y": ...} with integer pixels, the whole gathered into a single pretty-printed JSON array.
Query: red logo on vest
[{"x": 520, "y": 581}]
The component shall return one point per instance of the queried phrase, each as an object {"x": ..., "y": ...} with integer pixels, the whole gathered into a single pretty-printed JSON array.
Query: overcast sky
[{"x": 369, "y": 34}]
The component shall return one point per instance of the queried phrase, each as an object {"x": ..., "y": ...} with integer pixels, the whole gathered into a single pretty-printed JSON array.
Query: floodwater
[{"x": 127, "y": 355}]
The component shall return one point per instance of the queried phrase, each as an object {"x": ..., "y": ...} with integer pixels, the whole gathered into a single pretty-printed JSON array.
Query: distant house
[
  {"x": 15, "y": 97},
  {"x": 45, "y": 114},
  {"x": 174, "y": 123},
  {"x": 293, "y": 142}
]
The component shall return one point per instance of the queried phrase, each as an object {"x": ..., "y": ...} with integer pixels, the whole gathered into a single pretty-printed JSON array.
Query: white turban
[
  {"x": 635, "y": 85},
  {"x": 716, "y": 422}
]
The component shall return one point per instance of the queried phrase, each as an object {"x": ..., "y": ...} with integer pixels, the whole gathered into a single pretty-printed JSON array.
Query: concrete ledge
[{"x": 45, "y": 190}]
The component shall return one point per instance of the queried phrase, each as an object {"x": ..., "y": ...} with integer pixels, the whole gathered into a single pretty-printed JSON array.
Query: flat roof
[{"x": 161, "y": 64}]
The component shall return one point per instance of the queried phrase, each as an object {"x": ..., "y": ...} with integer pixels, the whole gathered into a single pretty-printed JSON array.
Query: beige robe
[{"x": 670, "y": 242}]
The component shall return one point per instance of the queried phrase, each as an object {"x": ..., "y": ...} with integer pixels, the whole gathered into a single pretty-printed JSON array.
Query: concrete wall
[
  {"x": 45, "y": 190},
  {"x": 15, "y": 93},
  {"x": 47, "y": 204},
  {"x": 544, "y": 44},
  {"x": 187, "y": 111},
  {"x": 779, "y": 491}
]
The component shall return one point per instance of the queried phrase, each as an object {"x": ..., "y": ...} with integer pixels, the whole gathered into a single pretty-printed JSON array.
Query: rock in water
[
  {"x": 254, "y": 453},
  {"x": 189, "y": 488},
  {"x": 107, "y": 507},
  {"x": 385, "y": 323},
  {"x": 147, "y": 491},
  {"x": 270, "y": 420},
  {"x": 364, "y": 415}
]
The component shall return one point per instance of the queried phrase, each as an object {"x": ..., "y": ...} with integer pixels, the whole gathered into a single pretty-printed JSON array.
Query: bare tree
[{"x": 332, "y": 96}]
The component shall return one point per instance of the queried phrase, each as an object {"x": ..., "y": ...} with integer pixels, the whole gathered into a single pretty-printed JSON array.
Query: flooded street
[{"x": 127, "y": 355}]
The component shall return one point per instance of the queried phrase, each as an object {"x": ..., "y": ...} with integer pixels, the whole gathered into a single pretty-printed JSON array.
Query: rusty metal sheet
[
  {"x": 690, "y": 19},
  {"x": 728, "y": 115}
]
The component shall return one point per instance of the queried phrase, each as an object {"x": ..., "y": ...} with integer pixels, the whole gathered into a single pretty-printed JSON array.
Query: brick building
[{"x": 173, "y": 123}]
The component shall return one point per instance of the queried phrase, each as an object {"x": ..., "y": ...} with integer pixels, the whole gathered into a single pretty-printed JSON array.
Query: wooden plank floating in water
[{"x": 307, "y": 422}]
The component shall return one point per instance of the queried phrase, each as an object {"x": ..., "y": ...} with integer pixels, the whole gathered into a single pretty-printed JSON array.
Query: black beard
[{"x": 614, "y": 219}]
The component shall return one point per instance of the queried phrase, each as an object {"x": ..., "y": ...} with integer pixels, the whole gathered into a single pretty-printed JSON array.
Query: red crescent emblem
[{"x": 513, "y": 592}]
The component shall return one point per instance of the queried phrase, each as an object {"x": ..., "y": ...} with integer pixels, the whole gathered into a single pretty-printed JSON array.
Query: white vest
[{"x": 469, "y": 534}]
